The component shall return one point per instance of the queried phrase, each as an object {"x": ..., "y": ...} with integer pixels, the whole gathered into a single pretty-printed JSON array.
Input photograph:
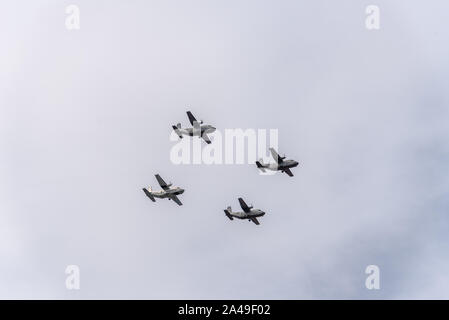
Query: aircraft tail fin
[
  {"x": 176, "y": 128},
  {"x": 260, "y": 165},
  {"x": 228, "y": 211},
  {"x": 148, "y": 194}
]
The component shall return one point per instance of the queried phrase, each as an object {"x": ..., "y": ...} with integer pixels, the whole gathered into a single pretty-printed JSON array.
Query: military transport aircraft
[
  {"x": 198, "y": 129},
  {"x": 167, "y": 191},
  {"x": 280, "y": 165},
  {"x": 248, "y": 213}
]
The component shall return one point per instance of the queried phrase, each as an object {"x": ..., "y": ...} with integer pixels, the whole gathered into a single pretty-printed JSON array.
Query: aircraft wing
[
  {"x": 287, "y": 171},
  {"x": 176, "y": 199},
  {"x": 206, "y": 138},
  {"x": 244, "y": 205},
  {"x": 275, "y": 155},
  {"x": 162, "y": 182},
  {"x": 255, "y": 220},
  {"x": 191, "y": 117}
]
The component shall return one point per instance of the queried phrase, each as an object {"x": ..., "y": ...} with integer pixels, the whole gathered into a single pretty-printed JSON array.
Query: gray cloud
[{"x": 85, "y": 120}]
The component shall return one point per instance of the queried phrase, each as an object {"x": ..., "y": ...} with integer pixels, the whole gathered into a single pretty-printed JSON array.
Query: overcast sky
[{"x": 85, "y": 119}]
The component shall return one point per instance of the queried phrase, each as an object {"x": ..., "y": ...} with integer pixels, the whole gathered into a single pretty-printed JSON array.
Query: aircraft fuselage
[
  {"x": 286, "y": 164},
  {"x": 167, "y": 193},
  {"x": 253, "y": 213},
  {"x": 191, "y": 131}
]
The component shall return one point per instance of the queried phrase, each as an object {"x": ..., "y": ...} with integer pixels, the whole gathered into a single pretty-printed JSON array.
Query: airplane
[
  {"x": 167, "y": 191},
  {"x": 198, "y": 129},
  {"x": 280, "y": 165},
  {"x": 248, "y": 213}
]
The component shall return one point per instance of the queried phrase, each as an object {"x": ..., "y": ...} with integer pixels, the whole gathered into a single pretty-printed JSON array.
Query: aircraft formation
[{"x": 201, "y": 130}]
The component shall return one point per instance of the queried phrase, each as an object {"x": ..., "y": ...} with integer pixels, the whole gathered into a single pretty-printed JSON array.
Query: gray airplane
[
  {"x": 280, "y": 165},
  {"x": 198, "y": 129},
  {"x": 167, "y": 191},
  {"x": 248, "y": 213}
]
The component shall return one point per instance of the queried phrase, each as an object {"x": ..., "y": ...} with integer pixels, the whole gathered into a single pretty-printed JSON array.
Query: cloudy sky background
[{"x": 85, "y": 118}]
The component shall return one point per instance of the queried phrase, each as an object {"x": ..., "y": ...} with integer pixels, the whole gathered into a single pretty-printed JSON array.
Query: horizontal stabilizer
[
  {"x": 260, "y": 166},
  {"x": 148, "y": 194},
  {"x": 228, "y": 214},
  {"x": 176, "y": 129}
]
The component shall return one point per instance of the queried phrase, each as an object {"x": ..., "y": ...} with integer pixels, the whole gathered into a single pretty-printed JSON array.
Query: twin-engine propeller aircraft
[
  {"x": 167, "y": 191},
  {"x": 248, "y": 212},
  {"x": 198, "y": 129},
  {"x": 280, "y": 165}
]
